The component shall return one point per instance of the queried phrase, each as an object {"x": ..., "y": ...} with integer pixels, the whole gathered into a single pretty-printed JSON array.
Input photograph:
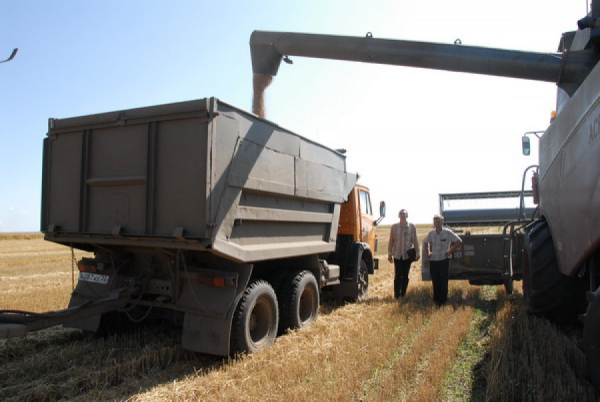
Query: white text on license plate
[{"x": 95, "y": 278}]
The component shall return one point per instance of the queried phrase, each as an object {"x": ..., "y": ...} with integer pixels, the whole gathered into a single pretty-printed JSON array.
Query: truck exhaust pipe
[{"x": 567, "y": 69}]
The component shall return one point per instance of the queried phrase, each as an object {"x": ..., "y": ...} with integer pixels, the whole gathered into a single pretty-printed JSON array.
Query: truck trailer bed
[{"x": 196, "y": 175}]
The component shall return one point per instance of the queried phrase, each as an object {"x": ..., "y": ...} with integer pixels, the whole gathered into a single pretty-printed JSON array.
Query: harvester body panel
[{"x": 569, "y": 171}]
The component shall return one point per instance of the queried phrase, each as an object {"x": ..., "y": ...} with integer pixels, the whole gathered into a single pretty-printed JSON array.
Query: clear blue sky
[{"x": 411, "y": 134}]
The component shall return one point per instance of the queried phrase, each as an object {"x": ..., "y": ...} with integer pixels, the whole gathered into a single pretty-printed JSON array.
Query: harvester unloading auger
[
  {"x": 560, "y": 256},
  {"x": 568, "y": 69}
]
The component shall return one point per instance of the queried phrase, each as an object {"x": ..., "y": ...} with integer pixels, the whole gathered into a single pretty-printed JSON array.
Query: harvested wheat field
[{"x": 481, "y": 346}]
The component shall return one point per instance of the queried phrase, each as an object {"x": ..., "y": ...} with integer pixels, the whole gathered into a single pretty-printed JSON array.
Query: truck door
[{"x": 367, "y": 226}]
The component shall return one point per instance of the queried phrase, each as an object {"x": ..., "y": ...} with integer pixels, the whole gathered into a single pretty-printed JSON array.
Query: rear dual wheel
[
  {"x": 298, "y": 301},
  {"x": 255, "y": 320}
]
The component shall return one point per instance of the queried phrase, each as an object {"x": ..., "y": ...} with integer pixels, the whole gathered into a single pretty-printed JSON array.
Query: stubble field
[{"x": 481, "y": 346}]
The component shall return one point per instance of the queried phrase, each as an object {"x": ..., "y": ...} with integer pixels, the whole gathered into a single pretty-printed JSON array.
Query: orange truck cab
[{"x": 356, "y": 244}]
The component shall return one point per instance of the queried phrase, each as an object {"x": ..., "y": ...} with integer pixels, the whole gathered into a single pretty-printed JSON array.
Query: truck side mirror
[
  {"x": 526, "y": 146},
  {"x": 381, "y": 213}
]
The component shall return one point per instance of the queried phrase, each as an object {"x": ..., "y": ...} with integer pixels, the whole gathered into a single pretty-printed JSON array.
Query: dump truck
[
  {"x": 204, "y": 215},
  {"x": 560, "y": 261}
]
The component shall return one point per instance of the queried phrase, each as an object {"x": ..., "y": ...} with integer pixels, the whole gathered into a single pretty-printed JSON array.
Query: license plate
[{"x": 94, "y": 278}]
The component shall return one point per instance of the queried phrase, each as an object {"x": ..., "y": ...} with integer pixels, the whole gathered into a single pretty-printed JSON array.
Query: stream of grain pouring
[{"x": 260, "y": 84}]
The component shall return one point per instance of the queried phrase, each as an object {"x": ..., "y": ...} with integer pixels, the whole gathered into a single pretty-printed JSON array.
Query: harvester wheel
[
  {"x": 299, "y": 301},
  {"x": 547, "y": 292},
  {"x": 591, "y": 337},
  {"x": 255, "y": 320}
]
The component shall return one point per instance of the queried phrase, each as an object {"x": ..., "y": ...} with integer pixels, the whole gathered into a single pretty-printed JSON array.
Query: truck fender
[{"x": 358, "y": 251}]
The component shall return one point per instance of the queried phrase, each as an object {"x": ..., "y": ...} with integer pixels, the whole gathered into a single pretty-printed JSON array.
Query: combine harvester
[{"x": 560, "y": 257}]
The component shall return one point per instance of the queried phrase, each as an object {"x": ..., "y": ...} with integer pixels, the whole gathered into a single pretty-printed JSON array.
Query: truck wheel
[
  {"x": 362, "y": 285},
  {"x": 363, "y": 281},
  {"x": 299, "y": 301},
  {"x": 547, "y": 292},
  {"x": 591, "y": 337},
  {"x": 255, "y": 320}
]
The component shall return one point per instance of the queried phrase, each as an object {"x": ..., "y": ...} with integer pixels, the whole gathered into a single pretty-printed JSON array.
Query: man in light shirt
[
  {"x": 441, "y": 243},
  {"x": 403, "y": 237}
]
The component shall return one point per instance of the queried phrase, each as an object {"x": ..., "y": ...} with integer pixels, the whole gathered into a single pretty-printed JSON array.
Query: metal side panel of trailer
[{"x": 197, "y": 175}]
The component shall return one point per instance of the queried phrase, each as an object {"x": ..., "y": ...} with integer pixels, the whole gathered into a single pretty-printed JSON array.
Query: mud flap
[
  {"x": 90, "y": 287},
  {"x": 210, "y": 308},
  {"x": 206, "y": 334},
  {"x": 89, "y": 324}
]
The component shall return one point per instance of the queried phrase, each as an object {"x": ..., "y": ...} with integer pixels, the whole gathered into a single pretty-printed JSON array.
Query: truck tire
[
  {"x": 591, "y": 337},
  {"x": 547, "y": 292},
  {"x": 363, "y": 281},
  {"x": 362, "y": 285},
  {"x": 254, "y": 326},
  {"x": 298, "y": 301}
]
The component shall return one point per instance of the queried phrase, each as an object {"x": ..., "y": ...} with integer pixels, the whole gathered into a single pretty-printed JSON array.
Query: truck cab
[
  {"x": 357, "y": 219},
  {"x": 356, "y": 245}
]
